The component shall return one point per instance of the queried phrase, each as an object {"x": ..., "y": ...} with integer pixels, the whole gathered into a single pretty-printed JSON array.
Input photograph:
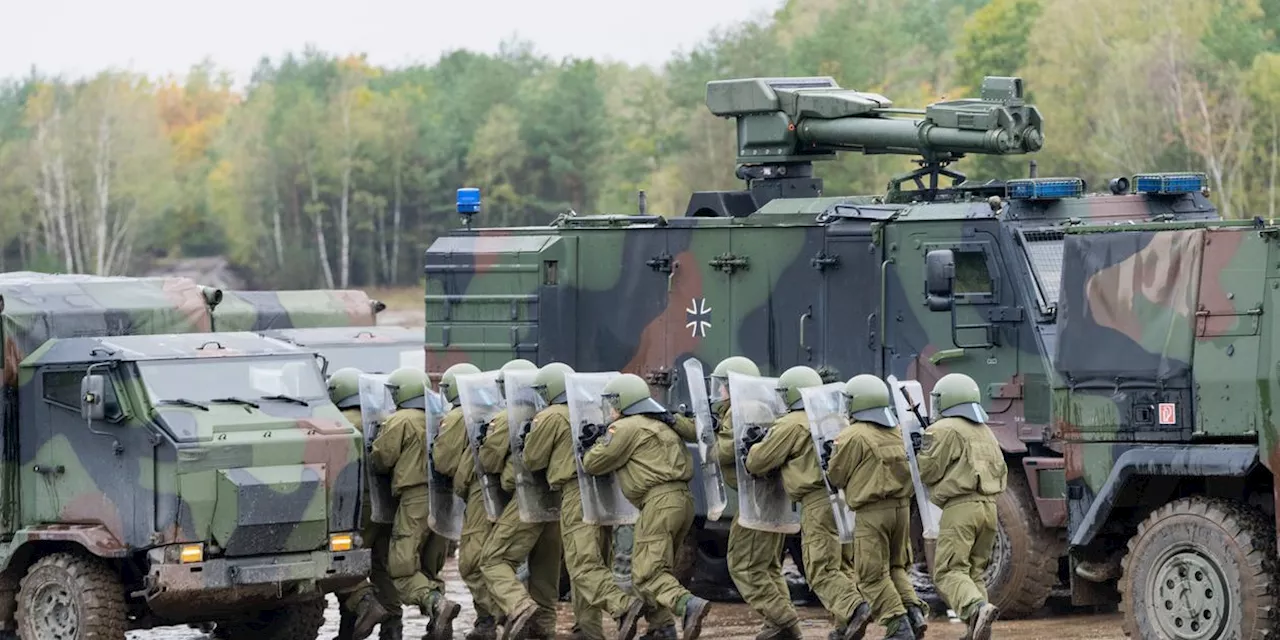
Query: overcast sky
[{"x": 160, "y": 36}]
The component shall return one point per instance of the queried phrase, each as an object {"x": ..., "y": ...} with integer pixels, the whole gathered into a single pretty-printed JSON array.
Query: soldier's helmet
[
  {"x": 344, "y": 388},
  {"x": 449, "y": 380},
  {"x": 792, "y": 381},
  {"x": 629, "y": 394},
  {"x": 720, "y": 377},
  {"x": 867, "y": 399},
  {"x": 549, "y": 383},
  {"x": 957, "y": 396},
  {"x": 408, "y": 386},
  {"x": 519, "y": 364}
]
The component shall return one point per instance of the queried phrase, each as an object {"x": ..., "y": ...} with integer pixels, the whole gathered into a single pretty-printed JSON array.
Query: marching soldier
[
  {"x": 964, "y": 468},
  {"x": 788, "y": 446},
  {"x": 400, "y": 451},
  {"x": 653, "y": 468},
  {"x": 372, "y": 601},
  {"x": 870, "y": 463}
]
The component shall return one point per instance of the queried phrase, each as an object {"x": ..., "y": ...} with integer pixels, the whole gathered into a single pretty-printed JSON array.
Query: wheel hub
[
  {"x": 1187, "y": 597},
  {"x": 55, "y": 613},
  {"x": 999, "y": 555}
]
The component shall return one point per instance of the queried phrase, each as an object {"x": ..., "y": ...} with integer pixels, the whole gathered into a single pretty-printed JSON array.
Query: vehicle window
[
  {"x": 972, "y": 276},
  {"x": 244, "y": 378},
  {"x": 63, "y": 388},
  {"x": 1044, "y": 254}
]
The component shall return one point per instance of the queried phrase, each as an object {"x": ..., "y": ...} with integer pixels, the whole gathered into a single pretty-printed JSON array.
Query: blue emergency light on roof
[
  {"x": 1168, "y": 183},
  {"x": 1044, "y": 188},
  {"x": 468, "y": 200}
]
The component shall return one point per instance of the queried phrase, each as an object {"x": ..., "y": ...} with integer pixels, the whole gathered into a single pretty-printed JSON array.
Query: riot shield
[
  {"x": 376, "y": 405},
  {"x": 825, "y": 408},
  {"x": 712, "y": 478},
  {"x": 763, "y": 503},
  {"x": 445, "y": 513},
  {"x": 910, "y": 422},
  {"x": 536, "y": 500},
  {"x": 602, "y": 500},
  {"x": 480, "y": 400}
]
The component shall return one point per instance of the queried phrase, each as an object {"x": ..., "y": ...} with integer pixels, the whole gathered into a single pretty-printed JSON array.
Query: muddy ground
[{"x": 727, "y": 622}]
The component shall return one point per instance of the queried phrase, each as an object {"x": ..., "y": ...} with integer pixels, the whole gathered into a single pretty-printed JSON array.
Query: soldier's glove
[
  {"x": 686, "y": 411},
  {"x": 667, "y": 418},
  {"x": 828, "y": 448},
  {"x": 590, "y": 433},
  {"x": 917, "y": 441},
  {"x": 753, "y": 435},
  {"x": 482, "y": 432}
]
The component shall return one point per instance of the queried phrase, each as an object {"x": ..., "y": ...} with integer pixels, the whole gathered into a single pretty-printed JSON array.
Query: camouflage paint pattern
[
  {"x": 380, "y": 349},
  {"x": 268, "y": 310}
]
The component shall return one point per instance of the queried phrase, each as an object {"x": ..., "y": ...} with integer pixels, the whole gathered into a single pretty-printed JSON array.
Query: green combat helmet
[
  {"x": 629, "y": 394},
  {"x": 449, "y": 380},
  {"x": 519, "y": 364},
  {"x": 720, "y": 378},
  {"x": 344, "y": 388},
  {"x": 549, "y": 383},
  {"x": 408, "y": 387},
  {"x": 867, "y": 399},
  {"x": 957, "y": 396},
  {"x": 792, "y": 381}
]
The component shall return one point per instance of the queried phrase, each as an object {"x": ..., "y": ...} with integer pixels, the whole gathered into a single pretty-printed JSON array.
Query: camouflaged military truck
[
  {"x": 274, "y": 310},
  {"x": 154, "y": 473},
  {"x": 381, "y": 349}
]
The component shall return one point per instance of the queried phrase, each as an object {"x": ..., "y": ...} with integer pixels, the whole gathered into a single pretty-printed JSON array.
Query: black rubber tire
[
  {"x": 1024, "y": 567},
  {"x": 297, "y": 621},
  {"x": 96, "y": 597},
  {"x": 1235, "y": 540}
]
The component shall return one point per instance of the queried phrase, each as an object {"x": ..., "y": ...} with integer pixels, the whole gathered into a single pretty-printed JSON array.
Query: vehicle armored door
[
  {"x": 776, "y": 295},
  {"x": 701, "y": 294},
  {"x": 850, "y": 269},
  {"x": 100, "y": 471}
]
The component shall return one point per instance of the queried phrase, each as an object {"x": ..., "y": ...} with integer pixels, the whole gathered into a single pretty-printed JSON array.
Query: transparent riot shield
[
  {"x": 481, "y": 400},
  {"x": 376, "y": 405},
  {"x": 535, "y": 499},
  {"x": 445, "y": 513},
  {"x": 712, "y": 478},
  {"x": 763, "y": 503},
  {"x": 602, "y": 500},
  {"x": 909, "y": 403},
  {"x": 825, "y": 408}
]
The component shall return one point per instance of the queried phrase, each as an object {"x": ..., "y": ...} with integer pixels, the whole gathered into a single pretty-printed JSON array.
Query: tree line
[{"x": 328, "y": 171}]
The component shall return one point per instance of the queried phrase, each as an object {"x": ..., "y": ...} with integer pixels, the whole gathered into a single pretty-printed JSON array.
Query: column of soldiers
[{"x": 641, "y": 444}]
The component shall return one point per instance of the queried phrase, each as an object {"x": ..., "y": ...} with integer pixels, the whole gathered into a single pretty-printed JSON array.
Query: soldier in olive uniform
[
  {"x": 653, "y": 468},
  {"x": 513, "y": 540},
  {"x": 869, "y": 461},
  {"x": 963, "y": 466},
  {"x": 400, "y": 451},
  {"x": 370, "y": 602},
  {"x": 452, "y": 458},
  {"x": 755, "y": 557},
  {"x": 788, "y": 446}
]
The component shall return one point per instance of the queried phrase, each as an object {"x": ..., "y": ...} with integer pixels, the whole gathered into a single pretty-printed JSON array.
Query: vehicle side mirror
[
  {"x": 93, "y": 397},
  {"x": 939, "y": 279},
  {"x": 324, "y": 365}
]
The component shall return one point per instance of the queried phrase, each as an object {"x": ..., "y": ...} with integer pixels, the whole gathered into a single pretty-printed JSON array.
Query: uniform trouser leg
[
  {"x": 585, "y": 549},
  {"x": 408, "y": 535},
  {"x": 475, "y": 530},
  {"x": 664, "y": 522},
  {"x": 377, "y": 538},
  {"x": 824, "y": 558},
  {"x": 880, "y": 543},
  {"x": 510, "y": 543},
  {"x": 966, "y": 534},
  {"x": 755, "y": 564},
  {"x": 901, "y": 559},
  {"x": 624, "y": 537}
]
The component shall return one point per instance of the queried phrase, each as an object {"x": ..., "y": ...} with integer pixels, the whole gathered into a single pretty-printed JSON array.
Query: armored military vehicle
[
  {"x": 155, "y": 473},
  {"x": 937, "y": 275},
  {"x": 380, "y": 349},
  {"x": 271, "y": 310}
]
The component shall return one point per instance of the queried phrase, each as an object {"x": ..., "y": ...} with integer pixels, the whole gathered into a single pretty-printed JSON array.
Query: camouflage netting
[{"x": 268, "y": 310}]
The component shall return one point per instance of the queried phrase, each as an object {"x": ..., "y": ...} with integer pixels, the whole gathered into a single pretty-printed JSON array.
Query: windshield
[
  {"x": 375, "y": 358},
  {"x": 200, "y": 380},
  {"x": 1044, "y": 255}
]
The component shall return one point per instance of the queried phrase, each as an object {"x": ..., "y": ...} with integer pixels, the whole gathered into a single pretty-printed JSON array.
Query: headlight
[{"x": 341, "y": 542}]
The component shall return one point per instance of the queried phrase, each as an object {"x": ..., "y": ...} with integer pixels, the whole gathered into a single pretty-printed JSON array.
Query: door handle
[
  {"x": 804, "y": 344},
  {"x": 49, "y": 470}
]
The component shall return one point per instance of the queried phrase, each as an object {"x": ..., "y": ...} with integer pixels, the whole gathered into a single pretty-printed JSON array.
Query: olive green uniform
[
  {"x": 452, "y": 457},
  {"x": 964, "y": 468},
  {"x": 653, "y": 468},
  {"x": 512, "y": 540},
  {"x": 376, "y": 537},
  {"x": 870, "y": 463},
  {"x": 400, "y": 451},
  {"x": 755, "y": 557},
  {"x": 789, "y": 446}
]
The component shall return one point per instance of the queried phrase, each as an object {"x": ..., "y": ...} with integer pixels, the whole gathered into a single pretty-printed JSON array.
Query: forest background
[{"x": 326, "y": 171}]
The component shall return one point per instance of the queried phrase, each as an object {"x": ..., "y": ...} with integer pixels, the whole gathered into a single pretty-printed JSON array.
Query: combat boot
[
  {"x": 368, "y": 614},
  {"x": 662, "y": 633},
  {"x": 346, "y": 625},
  {"x": 695, "y": 610},
  {"x": 518, "y": 626},
  {"x": 857, "y": 627},
  {"x": 981, "y": 621},
  {"x": 391, "y": 629},
  {"x": 629, "y": 620},
  {"x": 441, "y": 612},
  {"x": 772, "y": 631},
  {"x": 919, "y": 621},
  {"x": 484, "y": 629},
  {"x": 899, "y": 628}
]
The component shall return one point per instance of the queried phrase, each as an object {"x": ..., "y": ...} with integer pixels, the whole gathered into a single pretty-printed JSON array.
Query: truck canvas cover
[{"x": 267, "y": 310}]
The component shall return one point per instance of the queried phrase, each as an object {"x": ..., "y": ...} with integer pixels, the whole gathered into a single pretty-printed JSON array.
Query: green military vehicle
[
  {"x": 275, "y": 310},
  {"x": 157, "y": 474},
  {"x": 786, "y": 275},
  {"x": 380, "y": 349}
]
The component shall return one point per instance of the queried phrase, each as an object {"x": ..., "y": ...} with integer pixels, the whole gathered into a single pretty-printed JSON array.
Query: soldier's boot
[
  {"x": 391, "y": 629},
  {"x": 518, "y": 625},
  {"x": 661, "y": 633},
  {"x": 919, "y": 621},
  {"x": 857, "y": 627},
  {"x": 484, "y": 629},
  {"x": 981, "y": 621},
  {"x": 368, "y": 614},
  {"x": 772, "y": 631},
  {"x": 629, "y": 620},
  {"x": 441, "y": 612},
  {"x": 695, "y": 610},
  {"x": 579, "y": 634},
  {"x": 899, "y": 628},
  {"x": 346, "y": 625}
]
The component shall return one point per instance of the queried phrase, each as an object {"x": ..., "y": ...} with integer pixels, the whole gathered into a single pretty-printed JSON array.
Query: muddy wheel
[
  {"x": 1024, "y": 564},
  {"x": 1200, "y": 569},
  {"x": 66, "y": 596},
  {"x": 298, "y": 621}
]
